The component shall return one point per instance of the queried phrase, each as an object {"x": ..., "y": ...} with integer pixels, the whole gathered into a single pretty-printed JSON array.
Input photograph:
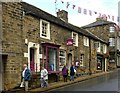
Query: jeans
[
  {"x": 44, "y": 83},
  {"x": 72, "y": 77}
]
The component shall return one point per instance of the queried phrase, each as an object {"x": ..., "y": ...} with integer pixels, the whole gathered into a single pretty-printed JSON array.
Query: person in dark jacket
[
  {"x": 26, "y": 76},
  {"x": 72, "y": 73},
  {"x": 65, "y": 73}
]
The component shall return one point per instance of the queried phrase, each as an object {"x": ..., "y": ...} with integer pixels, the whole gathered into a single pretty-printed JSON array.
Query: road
[{"x": 107, "y": 83}]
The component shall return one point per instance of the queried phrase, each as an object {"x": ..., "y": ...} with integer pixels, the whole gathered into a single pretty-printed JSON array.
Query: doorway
[
  {"x": 2, "y": 69},
  {"x": 69, "y": 60}
]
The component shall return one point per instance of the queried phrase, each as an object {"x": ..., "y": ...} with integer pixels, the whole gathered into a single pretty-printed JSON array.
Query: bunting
[
  {"x": 67, "y": 5},
  {"x": 89, "y": 12}
]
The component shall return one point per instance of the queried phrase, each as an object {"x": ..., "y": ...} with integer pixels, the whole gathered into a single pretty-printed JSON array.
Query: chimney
[
  {"x": 62, "y": 14},
  {"x": 102, "y": 18}
]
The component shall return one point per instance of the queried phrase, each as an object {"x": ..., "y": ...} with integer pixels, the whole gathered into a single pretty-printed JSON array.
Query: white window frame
[
  {"x": 81, "y": 59},
  {"x": 86, "y": 41},
  {"x": 99, "y": 47},
  {"x": 112, "y": 29},
  {"x": 75, "y": 43},
  {"x": 111, "y": 41},
  {"x": 104, "y": 48},
  {"x": 48, "y": 29},
  {"x": 62, "y": 57}
]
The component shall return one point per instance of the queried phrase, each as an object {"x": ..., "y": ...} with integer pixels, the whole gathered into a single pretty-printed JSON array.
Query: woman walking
[{"x": 65, "y": 73}]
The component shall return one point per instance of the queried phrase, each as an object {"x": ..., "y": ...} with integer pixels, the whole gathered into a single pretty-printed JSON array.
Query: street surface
[{"x": 108, "y": 83}]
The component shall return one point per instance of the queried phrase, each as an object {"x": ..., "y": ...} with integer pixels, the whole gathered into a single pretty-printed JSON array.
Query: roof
[
  {"x": 34, "y": 11},
  {"x": 98, "y": 23}
]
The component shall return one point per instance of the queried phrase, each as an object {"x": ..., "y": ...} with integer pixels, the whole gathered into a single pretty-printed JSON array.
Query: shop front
[
  {"x": 100, "y": 62},
  {"x": 50, "y": 59}
]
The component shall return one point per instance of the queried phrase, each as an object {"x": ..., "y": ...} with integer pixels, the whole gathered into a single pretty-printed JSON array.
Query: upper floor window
[
  {"x": 112, "y": 29},
  {"x": 44, "y": 29},
  {"x": 111, "y": 41},
  {"x": 104, "y": 48},
  {"x": 75, "y": 38},
  {"x": 86, "y": 41}
]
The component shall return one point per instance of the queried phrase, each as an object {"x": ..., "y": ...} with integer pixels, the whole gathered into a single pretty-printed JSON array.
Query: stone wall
[{"x": 12, "y": 43}]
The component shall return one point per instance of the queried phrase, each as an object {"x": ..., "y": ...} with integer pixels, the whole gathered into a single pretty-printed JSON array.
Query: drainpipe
[
  {"x": 116, "y": 47},
  {"x": 90, "y": 56}
]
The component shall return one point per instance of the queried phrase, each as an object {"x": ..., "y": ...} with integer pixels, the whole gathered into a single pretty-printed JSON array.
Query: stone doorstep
[{"x": 62, "y": 84}]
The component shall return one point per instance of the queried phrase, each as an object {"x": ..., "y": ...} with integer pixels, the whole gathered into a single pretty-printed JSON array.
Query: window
[
  {"x": 111, "y": 41},
  {"x": 75, "y": 38},
  {"x": 44, "y": 29},
  {"x": 86, "y": 41},
  {"x": 112, "y": 29},
  {"x": 101, "y": 47},
  {"x": 62, "y": 58},
  {"x": 118, "y": 45},
  {"x": 81, "y": 59},
  {"x": 104, "y": 48}
]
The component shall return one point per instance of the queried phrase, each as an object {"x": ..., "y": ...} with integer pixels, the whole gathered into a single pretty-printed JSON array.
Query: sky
[{"x": 103, "y": 7}]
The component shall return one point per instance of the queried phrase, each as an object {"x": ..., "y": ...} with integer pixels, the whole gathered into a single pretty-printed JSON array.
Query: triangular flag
[
  {"x": 95, "y": 12},
  {"x": 90, "y": 12},
  {"x": 67, "y": 4},
  {"x": 85, "y": 11},
  {"x": 73, "y": 6},
  {"x": 79, "y": 10},
  {"x": 113, "y": 18}
]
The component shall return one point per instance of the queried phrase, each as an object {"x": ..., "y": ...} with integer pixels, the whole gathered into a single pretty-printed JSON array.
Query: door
[
  {"x": 2, "y": 64},
  {"x": 32, "y": 61},
  {"x": 69, "y": 59}
]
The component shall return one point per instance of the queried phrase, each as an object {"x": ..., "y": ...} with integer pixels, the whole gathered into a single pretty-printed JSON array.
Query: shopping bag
[{"x": 22, "y": 84}]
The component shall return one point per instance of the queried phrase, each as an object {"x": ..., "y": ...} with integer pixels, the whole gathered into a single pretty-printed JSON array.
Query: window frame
[
  {"x": 81, "y": 60},
  {"x": 76, "y": 39},
  {"x": 47, "y": 31},
  {"x": 112, "y": 41},
  {"x": 111, "y": 29},
  {"x": 86, "y": 41}
]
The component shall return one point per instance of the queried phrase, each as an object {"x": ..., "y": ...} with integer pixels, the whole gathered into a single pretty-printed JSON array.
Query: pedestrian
[
  {"x": 65, "y": 73},
  {"x": 44, "y": 77},
  {"x": 72, "y": 73},
  {"x": 26, "y": 76}
]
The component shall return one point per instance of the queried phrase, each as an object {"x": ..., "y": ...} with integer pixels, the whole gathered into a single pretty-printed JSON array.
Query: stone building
[
  {"x": 109, "y": 32},
  {"x": 31, "y": 35}
]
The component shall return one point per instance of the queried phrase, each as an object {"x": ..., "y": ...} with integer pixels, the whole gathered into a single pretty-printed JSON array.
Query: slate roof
[
  {"x": 98, "y": 23},
  {"x": 34, "y": 11}
]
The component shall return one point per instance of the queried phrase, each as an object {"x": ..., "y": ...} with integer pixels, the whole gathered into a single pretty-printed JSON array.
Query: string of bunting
[{"x": 89, "y": 12}]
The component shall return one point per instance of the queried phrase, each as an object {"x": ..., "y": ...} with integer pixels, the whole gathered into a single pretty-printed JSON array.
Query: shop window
[{"x": 52, "y": 59}]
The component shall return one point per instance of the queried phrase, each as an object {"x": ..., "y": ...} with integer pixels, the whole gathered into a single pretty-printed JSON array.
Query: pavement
[{"x": 59, "y": 84}]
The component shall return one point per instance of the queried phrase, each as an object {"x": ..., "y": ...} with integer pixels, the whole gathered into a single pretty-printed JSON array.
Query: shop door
[{"x": 99, "y": 64}]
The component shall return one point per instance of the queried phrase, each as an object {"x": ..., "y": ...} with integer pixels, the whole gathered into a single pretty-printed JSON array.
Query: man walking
[{"x": 26, "y": 74}]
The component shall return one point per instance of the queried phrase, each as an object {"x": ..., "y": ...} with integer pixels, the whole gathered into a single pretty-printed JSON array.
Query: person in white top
[{"x": 44, "y": 77}]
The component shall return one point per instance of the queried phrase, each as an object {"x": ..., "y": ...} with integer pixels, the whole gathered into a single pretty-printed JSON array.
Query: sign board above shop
[{"x": 69, "y": 42}]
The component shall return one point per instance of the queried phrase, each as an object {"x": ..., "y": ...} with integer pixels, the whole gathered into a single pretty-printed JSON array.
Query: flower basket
[{"x": 106, "y": 55}]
